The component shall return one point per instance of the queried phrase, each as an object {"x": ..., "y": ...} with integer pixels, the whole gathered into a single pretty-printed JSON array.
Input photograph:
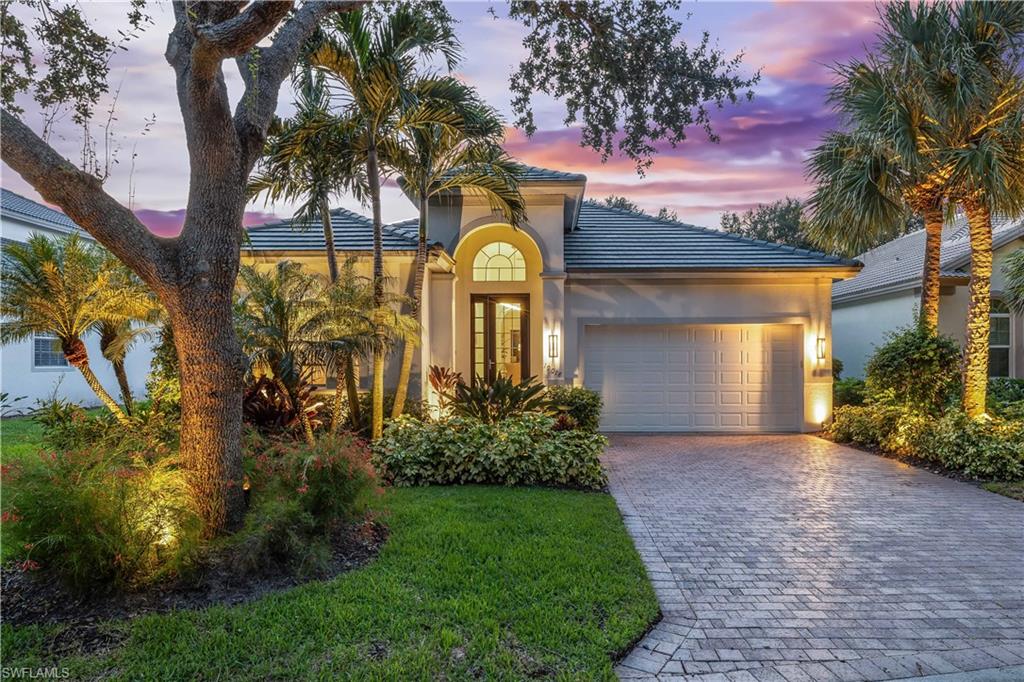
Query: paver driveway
[{"x": 792, "y": 558}]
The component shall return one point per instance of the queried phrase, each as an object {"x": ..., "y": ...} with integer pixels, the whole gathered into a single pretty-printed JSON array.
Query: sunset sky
[{"x": 759, "y": 159}]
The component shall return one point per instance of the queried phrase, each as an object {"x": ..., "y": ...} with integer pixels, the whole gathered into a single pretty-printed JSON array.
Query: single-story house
[
  {"x": 35, "y": 369},
  {"x": 680, "y": 328},
  {"x": 886, "y": 295}
]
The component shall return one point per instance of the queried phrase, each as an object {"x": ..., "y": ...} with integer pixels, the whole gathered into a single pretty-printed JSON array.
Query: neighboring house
[
  {"x": 680, "y": 328},
  {"x": 36, "y": 368},
  {"x": 886, "y": 295}
]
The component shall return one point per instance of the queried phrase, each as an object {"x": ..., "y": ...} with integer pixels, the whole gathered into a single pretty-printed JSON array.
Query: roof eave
[{"x": 838, "y": 271}]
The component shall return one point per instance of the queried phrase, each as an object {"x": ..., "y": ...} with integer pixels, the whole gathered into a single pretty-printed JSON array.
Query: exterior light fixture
[
  {"x": 821, "y": 347},
  {"x": 552, "y": 346}
]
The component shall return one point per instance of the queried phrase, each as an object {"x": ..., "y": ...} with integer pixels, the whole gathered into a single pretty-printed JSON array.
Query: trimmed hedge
[
  {"x": 991, "y": 447},
  {"x": 522, "y": 450}
]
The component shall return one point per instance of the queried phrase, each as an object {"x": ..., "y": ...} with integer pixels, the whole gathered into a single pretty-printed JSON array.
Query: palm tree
[
  {"x": 984, "y": 155},
  {"x": 437, "y": 159},
  {"x": 61, "y": 287},
  {"x": 346, "y": 332},
  {"x": 1014, "y": 271},
  {"x": 136, "y": 323},
  {"x": 886, "y": 166},
  {"x": 305, "y": 160},
  {"x": 278, "y": 315},
  {"x": 372, "y": 62}
]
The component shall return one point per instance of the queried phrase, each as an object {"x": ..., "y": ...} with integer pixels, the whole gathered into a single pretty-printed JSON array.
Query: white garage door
[{"x": 695, "y": 378}]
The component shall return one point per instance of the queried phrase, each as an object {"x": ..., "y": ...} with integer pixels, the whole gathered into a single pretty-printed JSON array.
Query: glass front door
[{"x": 501, "y": 336}]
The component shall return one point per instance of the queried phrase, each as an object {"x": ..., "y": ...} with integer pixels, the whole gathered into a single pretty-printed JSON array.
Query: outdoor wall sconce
[
  {"x": 821, "y": 347},
  {"x": 552, "y": 346}
]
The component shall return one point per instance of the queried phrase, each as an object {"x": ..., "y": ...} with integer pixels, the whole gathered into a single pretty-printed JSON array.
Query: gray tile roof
[
  {"x": 537, "y": 174},
  {"x": 898, "y": 264},
  {"x": 16, "y": 207},
  {"x": 352, "y": 232},
  {"x": 617, "y": 239}
]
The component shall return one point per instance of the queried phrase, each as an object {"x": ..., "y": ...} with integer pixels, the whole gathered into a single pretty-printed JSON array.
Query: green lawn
[
  {"x": 19, "y": 437},
  {"x": 474, "y": 583}
]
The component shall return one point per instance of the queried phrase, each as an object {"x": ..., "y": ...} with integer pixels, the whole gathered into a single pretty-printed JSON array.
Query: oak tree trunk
[
  {"x": 211, "y": 370},
  {"x": 416, "y": 305},
  {"x": 930, "y": 278},
  {"x": 975, "y": 363}
]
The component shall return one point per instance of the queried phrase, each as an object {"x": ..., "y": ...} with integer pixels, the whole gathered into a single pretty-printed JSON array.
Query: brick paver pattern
[{"x": 790, "y": 558}]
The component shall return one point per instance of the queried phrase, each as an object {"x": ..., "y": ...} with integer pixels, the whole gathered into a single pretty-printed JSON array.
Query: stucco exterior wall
[
  {"x": 623, "y": 301},
  {"x": 858, "y": 329},
  {"x": 18, "y": 376},
  {"x": 860, "y": 326}
]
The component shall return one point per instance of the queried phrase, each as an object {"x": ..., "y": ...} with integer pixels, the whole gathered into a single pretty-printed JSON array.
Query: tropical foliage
[
  {"x": 522, "y": 449},
  {"x": 70, "y": 288}
]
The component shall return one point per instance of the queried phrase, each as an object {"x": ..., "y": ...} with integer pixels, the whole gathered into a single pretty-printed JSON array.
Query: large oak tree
[{"x": 620, "y": 67}]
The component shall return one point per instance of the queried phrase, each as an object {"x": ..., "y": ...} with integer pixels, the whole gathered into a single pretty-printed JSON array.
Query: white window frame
[
  {"x": 1008, "y": 316},
  {"x": 483, "y": 263},
  {"x": 46, "y": 368}
]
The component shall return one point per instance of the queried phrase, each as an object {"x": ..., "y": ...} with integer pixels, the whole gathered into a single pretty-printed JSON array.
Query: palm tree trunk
[
  {"x": 930, "y": 283},
  {"x": 78, "y": 357},
  {"x": 332, "y": 257},
  {"x": 352, "y": 389},
  {"x": 300, "y": 410},
  {"x": 122, "y": 382},
  {"x": 378, "y": 286},
  {"x": 416, "y": 305},
  {"x": 975, "y": 364},
  {"x": 339, "y": 392}
]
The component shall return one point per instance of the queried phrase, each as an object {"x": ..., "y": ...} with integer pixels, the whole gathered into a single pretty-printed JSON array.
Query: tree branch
[
  {"x": 239, "y": 34},
  {"x": 264, "y": 69},
  {"x": 83, "y": 199}
]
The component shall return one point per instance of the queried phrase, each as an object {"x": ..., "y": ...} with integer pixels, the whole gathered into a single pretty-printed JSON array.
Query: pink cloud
[{"x": 169, "y": 223}]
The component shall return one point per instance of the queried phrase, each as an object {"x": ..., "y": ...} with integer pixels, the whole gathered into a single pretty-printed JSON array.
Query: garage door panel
[{"x": 699, "y": 378}]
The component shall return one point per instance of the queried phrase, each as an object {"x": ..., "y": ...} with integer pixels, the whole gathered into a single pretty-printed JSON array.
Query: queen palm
[
  {"x": 437, "y": 159},
  {"x": 62, "y": 287},
  {"x": 304, "y": 160},
  {"x": 372, "y": 64}
]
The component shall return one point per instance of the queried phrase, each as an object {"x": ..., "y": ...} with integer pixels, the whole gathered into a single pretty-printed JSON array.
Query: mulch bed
[{"x": 41, "y": 599}]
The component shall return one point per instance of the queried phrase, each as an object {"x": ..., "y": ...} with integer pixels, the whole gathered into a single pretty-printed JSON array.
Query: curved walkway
[{"x": 790, "y": 558}]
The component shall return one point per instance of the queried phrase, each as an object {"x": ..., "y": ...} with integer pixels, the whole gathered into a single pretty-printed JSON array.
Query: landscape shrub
[
  {"x": 848, "y": 392},
  {"x": 579, "y": 404},
  {"x": 1006, "y": 397},
  {"x": 917, "y": 367},
  {"x": 67, "y": 426},
  {"x": 99, "y": 515},
  {"x": 413, "y": 407},
  {"x": 990, "y": 447},
  {"x": 299, "y": 494},
  {"x": 520, "y": 450},
  {"x": 492, "y": 401}
]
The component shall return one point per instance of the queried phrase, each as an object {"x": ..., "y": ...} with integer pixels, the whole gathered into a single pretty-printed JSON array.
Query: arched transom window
[{"x": 499, "y": 262}]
